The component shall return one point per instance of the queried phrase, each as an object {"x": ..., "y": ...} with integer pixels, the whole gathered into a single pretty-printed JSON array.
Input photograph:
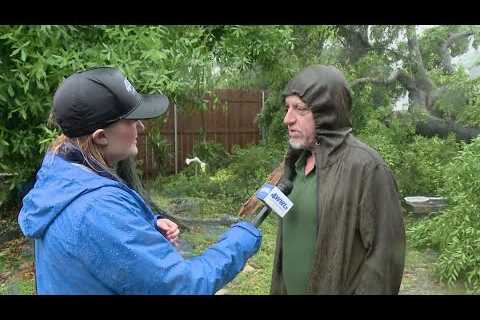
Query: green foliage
[
  {"x": 431, "y": 40},
  {"x": 470, "y": 113},
  {"x": 417, "y": 162},
  {"x": 16, "y": 269},
  {"x": 179, "y": 61},
  {"x": 247, "y": 171},
  {"x": 213, "y": 154},
  {"x": 251, "y": 166},
  {"x": 458, "y": 95},
  {"x": 272, "y": 119},
  {"x": 421, "y": 171},
  {"x": 272, "y": 56},
  {"x": 388, "y": 141},
  {"x": 367, "y": 97},
  {"x": 34, "y": 60},
  {"x": 456, "y": 232},
  {"x": 243, "y": 46},
  {"x": 161, "y": 147},
  {"x": 369, "y": 101}
]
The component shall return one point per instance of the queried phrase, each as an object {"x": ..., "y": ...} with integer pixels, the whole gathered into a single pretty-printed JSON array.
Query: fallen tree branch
[{"x": 433, "y": 126}]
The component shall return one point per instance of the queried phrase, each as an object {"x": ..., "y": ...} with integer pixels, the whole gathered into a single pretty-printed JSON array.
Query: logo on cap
[{"x": 129, "y": 86}]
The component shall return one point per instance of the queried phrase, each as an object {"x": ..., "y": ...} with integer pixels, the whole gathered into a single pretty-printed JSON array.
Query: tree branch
[
  {"x": 445, "y": 52},
  {"x": 399, "y": 75}
]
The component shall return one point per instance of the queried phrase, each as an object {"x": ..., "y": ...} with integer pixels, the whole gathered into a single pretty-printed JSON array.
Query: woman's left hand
[{"x": 169, "y": 229}]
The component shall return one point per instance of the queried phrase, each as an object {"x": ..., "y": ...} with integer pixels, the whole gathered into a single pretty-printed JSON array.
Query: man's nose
[
  {"x": 289, "y": 118},
  {"x": 140, "y": 126}
]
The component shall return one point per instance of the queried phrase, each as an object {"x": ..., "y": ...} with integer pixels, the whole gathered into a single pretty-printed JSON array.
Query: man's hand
[{"x": 169, "y": 229}]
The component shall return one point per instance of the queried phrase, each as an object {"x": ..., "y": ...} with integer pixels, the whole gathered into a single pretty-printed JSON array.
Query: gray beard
[{"x": 298, "y": 145}]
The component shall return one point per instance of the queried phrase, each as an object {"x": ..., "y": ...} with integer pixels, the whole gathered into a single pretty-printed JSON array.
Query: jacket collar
[{"x": 327, "y": 149}]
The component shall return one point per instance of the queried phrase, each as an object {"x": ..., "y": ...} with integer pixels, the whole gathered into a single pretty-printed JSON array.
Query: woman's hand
[{"x": 169, "y": 229}]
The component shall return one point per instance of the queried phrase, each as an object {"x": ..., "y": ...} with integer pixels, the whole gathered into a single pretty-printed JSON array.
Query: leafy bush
[
  {"x": 470, "y": 114},
  {"x": 458, "y": 94},
  {"x": 247, "y": 171},
  {"x": 456, "y": 232},
  {"x": 213, "y": 154},
  {"x": 417, "y": 162},
  {"x": 421, "y": 171}
]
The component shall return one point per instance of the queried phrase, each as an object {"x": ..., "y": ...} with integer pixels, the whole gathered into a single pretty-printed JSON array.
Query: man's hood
[
  {"x": 325, "y": 90},
  {"x": 58, "y": 184}
]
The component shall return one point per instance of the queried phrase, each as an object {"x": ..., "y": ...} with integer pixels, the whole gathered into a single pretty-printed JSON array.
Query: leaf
[
  {"x": 14, "y": 52},
  {"x": 10, "y": 91}
]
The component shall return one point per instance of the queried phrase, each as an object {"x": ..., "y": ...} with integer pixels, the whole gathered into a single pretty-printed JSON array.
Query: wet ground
[{"x": 419, "y": 277}]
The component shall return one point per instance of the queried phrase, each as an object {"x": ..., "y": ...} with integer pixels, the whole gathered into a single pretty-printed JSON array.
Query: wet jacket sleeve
[
  {"x": 119, "y": 246},
  {"x": 383, "y": 234}
]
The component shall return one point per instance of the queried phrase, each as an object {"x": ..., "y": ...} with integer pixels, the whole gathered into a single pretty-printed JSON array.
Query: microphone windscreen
[{"x": 285, "y": 186}]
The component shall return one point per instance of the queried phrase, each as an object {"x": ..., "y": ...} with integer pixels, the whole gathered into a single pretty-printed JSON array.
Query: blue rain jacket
[{"x": 95, "y": 235}]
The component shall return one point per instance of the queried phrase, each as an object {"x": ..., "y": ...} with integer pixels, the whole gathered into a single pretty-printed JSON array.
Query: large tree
[{"x": 420, "y": 65}]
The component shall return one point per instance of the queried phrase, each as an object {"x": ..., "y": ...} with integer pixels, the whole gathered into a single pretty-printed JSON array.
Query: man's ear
[{"x": 100, "y": 137}]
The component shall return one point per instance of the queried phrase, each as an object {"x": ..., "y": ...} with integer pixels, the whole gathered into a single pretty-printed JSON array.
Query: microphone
[{"x": 274, "y": 199}]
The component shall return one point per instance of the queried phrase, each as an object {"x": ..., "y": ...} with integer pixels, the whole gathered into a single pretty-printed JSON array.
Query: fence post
[
  {"x": 175, "y": 136},
  {"x": 263, "y": 128}
]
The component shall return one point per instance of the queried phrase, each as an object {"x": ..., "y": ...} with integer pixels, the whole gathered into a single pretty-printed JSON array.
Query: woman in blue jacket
[{"x": 93, "y": 233}]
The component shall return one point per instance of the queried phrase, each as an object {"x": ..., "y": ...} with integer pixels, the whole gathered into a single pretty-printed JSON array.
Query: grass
[
  {"x": 208, "y": 208},
  {"x": 16, "y": 268}
]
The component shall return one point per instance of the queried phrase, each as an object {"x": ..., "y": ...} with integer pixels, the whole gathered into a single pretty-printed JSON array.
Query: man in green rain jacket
[{"x": 345, "y": 233}]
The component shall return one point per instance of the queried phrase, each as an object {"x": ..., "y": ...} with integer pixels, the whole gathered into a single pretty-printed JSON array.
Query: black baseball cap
[{"x": 95, "y": 98}]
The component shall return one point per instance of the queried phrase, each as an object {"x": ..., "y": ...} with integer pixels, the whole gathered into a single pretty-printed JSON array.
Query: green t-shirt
[{"x": 299, "y": 230}]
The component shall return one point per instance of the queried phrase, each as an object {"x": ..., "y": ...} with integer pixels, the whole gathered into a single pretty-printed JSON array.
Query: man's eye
[{"x": 302, "y": 109}]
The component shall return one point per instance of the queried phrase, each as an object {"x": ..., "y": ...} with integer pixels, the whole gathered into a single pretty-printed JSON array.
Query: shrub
[
  {"x": 213, "y": 154},
  {"x": 417, "y": 162},
  {"x": 456, "y": 232},
  {"x": 247, "y": 171}
]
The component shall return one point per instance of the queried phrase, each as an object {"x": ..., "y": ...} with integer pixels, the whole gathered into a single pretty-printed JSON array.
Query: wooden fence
[{"x": 231, "y": 119}]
